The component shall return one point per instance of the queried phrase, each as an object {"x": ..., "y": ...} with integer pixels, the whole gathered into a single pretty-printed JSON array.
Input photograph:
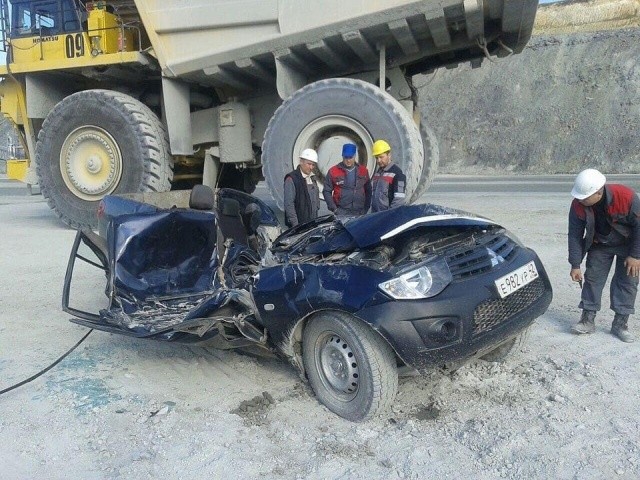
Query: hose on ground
[{"x": 42, "y": 372}]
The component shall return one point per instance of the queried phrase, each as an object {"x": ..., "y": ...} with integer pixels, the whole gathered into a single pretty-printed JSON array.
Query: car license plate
[{"x": 517, "y": 279}]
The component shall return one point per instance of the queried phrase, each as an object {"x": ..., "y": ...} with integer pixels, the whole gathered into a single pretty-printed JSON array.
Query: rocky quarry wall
[{"x": 570, "y": 100}]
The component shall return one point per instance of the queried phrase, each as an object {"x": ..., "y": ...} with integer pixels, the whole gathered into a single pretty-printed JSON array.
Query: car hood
[{"x": 373, "y": 228}]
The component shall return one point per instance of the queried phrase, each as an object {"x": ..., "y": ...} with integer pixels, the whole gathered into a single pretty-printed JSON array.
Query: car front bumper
[{"x": 464, "y": 320}]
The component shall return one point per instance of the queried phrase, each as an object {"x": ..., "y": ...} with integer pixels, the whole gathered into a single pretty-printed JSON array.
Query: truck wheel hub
[
  {"x": 94, "y": 164},
  {"x": 327, "y": 134},
  {"x": 338, "y": 364},
  {"x": 90, "y": 163}
]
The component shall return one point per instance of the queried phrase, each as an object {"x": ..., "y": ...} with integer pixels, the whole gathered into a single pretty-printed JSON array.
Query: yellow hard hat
[{"x": 380, "y": 147}]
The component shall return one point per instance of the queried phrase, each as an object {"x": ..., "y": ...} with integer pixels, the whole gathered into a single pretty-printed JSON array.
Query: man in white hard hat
[
  {"x": 604, "y": 225},
  {"x": 301, "y": 192}
]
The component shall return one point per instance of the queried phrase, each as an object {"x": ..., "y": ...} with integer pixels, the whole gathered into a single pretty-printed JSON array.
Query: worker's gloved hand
[
  {"x": 633, "y": 266},
  {"x": 576, "y": 275}
]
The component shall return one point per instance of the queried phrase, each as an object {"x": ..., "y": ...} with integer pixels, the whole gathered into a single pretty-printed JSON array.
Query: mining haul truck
[{"x": 152, "y": 95}]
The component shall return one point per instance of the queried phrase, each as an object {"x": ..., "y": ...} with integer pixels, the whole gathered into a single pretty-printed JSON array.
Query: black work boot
[
  {"x": 587, "y": 323},
  {"x": 619, "y": 328}
]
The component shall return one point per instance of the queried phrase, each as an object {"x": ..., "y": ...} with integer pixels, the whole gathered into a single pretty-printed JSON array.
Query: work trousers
[
  {"x": 623, "y": 288},
  {"x": 348, "y": 212}
]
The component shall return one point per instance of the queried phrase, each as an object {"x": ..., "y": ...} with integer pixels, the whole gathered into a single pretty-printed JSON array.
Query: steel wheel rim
[
  {"x": 326, "y": 135},
  {"x": 338, "y": 366},
  {"x": 90, "y": 163}
]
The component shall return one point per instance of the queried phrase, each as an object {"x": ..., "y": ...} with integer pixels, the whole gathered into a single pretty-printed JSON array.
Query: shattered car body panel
[
  {"x": 340, "y": 265},
  {"x": 423, "y": 277}
]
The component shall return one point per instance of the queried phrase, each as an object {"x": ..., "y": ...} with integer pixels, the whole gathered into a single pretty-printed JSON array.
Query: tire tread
[
  {"x": 378, "y": 354},
  {"x": 147, "y": 128},
  {"x": 410, "y": 160}
]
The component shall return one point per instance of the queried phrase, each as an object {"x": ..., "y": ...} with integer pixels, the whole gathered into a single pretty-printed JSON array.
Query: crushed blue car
[{"x": 351, "y": 302}]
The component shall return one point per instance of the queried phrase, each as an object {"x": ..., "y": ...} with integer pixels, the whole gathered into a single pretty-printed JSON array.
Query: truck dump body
[{"x": 235, "y": 42}]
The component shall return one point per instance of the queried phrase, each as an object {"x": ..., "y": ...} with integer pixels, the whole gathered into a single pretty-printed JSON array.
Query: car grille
[
  {"x": 493, "y": 312},
  {"x": 487, "y": 252}
]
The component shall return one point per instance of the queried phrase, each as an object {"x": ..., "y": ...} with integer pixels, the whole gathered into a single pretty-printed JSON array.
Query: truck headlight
[{"x": 425, "y": 281}]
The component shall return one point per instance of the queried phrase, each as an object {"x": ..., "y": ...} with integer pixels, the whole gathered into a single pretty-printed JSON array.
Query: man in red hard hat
[
  {"x": 604, "y": 225},
  {"x": 347, "y": 187}
]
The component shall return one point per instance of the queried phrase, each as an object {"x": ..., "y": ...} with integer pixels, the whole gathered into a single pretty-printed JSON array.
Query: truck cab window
[
  {"x": 22, "y": 20},
  {"x": 44, "y": 18}
]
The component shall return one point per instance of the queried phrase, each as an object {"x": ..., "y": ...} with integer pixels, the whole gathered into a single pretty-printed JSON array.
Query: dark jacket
[
  {"x": 388, "y": 188},
  {"x": 349, "y": 199},
  {"x": 299, "y": 206},
  {"x": 622, "y": 212}
]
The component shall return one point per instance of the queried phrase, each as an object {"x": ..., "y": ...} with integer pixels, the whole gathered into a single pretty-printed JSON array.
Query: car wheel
[
  {"x": 350, "y": 367},
  {"x": 326, "y": 114},
  {"x": 98, "y": 142},
  {"x": 502, "y": 351}
]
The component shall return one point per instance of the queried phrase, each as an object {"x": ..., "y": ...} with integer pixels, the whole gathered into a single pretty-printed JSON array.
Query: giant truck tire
[
  {"x": 97, "y": 142},
  {"x": 430, "y": 163},
  {"x": 350, "y": 367},
  {"x": 326, "y": 114}
]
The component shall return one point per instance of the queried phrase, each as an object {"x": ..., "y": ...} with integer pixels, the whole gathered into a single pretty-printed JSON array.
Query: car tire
[
  {"x": 430, "y": 162},
  {"x": 98, "y": 142},
  {"x": 344, "y": 109},
  {"x": 502, "y": 351},
  {"x": 350, "y": 367}
]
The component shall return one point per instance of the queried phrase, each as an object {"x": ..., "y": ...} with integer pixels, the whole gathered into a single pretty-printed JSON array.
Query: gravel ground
[{"x": 561, "y": 406}]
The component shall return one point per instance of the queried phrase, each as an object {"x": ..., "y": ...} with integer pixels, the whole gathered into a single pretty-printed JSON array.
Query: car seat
[
  {"x": 201, "y": 198},
  {"x": 230, "y": 222},
  {"x": 252, "y": 217}
]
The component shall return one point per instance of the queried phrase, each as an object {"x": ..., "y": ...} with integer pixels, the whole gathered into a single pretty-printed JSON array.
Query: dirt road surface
[{"x": 118, "y": 408}]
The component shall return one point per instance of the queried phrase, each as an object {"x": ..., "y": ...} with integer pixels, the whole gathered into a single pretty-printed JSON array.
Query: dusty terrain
[{"x": 561, "y": 407}]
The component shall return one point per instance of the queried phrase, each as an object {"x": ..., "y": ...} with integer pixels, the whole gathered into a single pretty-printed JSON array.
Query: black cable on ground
[{"x": 42, "y": 372}]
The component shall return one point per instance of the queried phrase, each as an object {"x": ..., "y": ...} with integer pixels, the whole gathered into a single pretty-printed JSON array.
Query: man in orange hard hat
[
  {"x": 388, "y": 182},
  {"x": 604, "y": 225}
]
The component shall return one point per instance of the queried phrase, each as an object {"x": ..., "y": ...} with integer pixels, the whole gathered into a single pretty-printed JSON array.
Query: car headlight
[{"x": 425, "y": 281}]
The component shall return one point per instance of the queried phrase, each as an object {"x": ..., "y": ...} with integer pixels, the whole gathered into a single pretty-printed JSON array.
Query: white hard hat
[
  {"x": 309, "y": 154},
  {"x": 587, "y": 183}
]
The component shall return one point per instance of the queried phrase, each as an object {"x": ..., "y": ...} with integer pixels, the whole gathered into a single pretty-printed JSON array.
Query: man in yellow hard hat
[{"x": 388, "y": 182}]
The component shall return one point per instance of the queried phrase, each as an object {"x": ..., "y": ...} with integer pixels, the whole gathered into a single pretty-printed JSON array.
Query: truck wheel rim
[
  {"x": 338, "y": 366},
  {"x": 326, "y": 135},
  {"x": 91, "y": 163}
]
